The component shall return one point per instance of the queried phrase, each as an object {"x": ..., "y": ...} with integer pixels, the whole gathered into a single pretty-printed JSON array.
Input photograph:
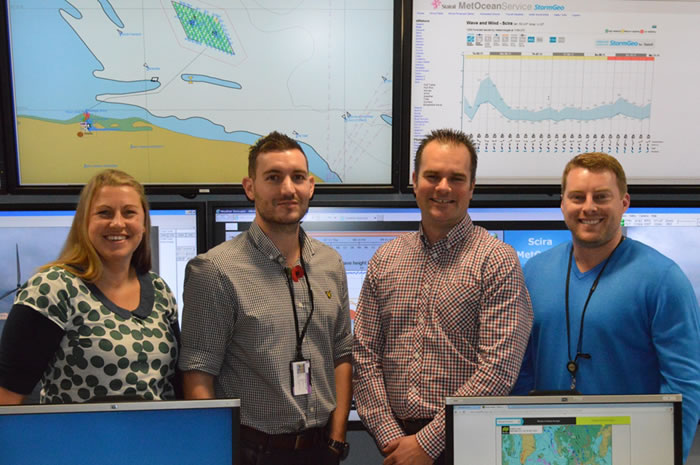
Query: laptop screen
[
  {"x": 596, "y": 430},
  {"x": 121, "y": 433}
]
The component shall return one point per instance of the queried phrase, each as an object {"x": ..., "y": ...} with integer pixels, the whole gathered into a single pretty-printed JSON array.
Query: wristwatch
[{"x": 341, "y": 448}]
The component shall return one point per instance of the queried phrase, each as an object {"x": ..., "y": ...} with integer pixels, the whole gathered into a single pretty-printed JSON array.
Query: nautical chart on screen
[{"x": 175, "y": 92}]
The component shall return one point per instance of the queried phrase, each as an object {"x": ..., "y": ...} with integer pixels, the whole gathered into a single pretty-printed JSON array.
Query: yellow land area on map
[
  {"x": 62, "y": 153},
  {"x": 605, "y": 442},
  {"x": 528, "y": 447}
]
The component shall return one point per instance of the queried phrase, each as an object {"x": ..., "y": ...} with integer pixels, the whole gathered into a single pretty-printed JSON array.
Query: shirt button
[
  {"x": 416, "y": 355},
  {"x": 420, "y": 320},
  {"x": 312, "y": 409}
]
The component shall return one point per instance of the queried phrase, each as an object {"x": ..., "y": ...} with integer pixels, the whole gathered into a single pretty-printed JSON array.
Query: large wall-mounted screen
[
  {"x": 536, "y": 83},
  {"x": 175, "y": 92}
]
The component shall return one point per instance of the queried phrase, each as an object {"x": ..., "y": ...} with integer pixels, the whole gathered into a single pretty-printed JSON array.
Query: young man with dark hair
[{"x": 266, "y": 319}]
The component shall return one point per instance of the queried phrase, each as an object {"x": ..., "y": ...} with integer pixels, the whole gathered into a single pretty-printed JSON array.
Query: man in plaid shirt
[{"x": 443, "y": 312}]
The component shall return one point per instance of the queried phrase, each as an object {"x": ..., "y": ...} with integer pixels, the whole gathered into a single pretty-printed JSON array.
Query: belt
[
  {"x": 302, "y": 440},
  {"x": 412, "y": 426}
]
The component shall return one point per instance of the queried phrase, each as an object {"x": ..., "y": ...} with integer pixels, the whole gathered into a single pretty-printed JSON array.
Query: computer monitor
[
  {"x": 176, "y": 92},
  {"x": 356, "y": 232},
  {"x": 202, "y": 431},
  {"x": 31, "y": 237},
  {"x": 534, "y": 83},
  {"x": 673, "y": 231},
  {"x": 620, "y": 430}
]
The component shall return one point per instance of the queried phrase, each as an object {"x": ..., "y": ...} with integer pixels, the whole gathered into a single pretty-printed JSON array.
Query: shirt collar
[
  {"x": 457, "y": 234},
  {"x": 265, "y": 245}
]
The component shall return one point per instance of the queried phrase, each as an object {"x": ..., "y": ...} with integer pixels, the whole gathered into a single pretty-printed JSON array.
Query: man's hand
[{"x": 405, "y": 451}]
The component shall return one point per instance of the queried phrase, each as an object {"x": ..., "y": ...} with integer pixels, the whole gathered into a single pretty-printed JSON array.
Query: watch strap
[{"x": 342, "y": 448}]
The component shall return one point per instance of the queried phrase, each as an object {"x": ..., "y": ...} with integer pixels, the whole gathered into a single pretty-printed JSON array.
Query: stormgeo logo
[{"x": 436, "y": 4}]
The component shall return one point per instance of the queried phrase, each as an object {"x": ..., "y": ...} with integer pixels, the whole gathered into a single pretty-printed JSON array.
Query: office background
[{"x": 87, "y": 85}]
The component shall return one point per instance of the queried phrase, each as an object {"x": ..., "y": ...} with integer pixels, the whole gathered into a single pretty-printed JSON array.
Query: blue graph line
[{"x": 488, "y": 93}]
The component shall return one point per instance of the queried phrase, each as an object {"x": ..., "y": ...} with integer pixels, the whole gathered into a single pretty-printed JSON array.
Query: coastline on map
[
  {"x": 65, "y": 153},
  {"x": 170, "y": 151},
  {"x": 83, "y": 90}
]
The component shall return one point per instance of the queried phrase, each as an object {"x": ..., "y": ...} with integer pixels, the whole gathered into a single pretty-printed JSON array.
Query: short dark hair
[
  {"x": 273, "y": 142},
  {"x": 596, "y": 162},
  {"x": 452, "y": 137}
]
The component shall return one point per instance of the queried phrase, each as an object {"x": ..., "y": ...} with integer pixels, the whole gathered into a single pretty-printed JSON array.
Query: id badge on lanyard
[
  {"x": 300, "y": 367},
  {"x": 301, "y": 377}
]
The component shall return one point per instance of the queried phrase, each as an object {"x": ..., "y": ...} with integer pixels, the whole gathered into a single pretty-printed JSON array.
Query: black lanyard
[
  {"x": 288, "y": 274},
  {"x": 572, "y": 365}
]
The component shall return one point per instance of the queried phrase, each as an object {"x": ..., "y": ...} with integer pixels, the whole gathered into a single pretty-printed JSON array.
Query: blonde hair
[
  {"x": 78, "y": 254},
  {"x": 596, "y": 162}
]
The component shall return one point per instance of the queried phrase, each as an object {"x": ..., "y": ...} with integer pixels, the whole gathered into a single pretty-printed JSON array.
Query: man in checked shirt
[
  {"x": 443, "y": 312},
  {"x": 266, "y": 320}
]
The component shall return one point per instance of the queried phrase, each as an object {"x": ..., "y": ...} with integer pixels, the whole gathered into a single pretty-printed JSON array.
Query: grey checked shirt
[{"x": 238, "y": 325}]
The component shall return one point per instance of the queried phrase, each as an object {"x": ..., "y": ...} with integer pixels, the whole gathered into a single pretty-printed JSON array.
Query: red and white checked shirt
[{"x": 433, "y": 320}]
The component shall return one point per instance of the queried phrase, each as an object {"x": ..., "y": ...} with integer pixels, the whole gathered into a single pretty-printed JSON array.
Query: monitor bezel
[
  {"x": 512, "y": 188},
  {"x": 234, "y": 405},
  {"x": 9, "y": 176},
  {"x": 199, "y": 207},
  {"x": 245, "y": 204},
  {"x": 112, "y": 406},
  {"x": 675, "y": 399},
  {"x": 378, "y": 203}
]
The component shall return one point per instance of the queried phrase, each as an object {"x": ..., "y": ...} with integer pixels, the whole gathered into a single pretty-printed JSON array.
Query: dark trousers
[
  {"x": 255, "y": 450},
  {"x": 413, "y": 426},
  {"x": 257, "y": 455}
]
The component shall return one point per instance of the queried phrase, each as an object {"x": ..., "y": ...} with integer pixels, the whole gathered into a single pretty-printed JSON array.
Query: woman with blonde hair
[{"x": 96, "y": 323}]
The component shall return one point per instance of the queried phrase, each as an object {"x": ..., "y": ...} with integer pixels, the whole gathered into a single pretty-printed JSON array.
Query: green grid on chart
[{"x": 203, "y": 28}]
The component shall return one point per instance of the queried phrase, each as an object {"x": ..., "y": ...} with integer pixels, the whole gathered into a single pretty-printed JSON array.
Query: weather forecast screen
[
  {"x": 535, "y": 83},
  {"x": 613, "y": 432},
  {"x": 590, "y": 430},
  {"x": 152, "y": 87}
]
